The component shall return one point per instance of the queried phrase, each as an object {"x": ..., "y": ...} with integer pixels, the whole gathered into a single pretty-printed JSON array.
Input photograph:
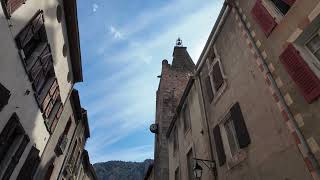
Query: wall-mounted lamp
[{"x": 197, "y": 169}]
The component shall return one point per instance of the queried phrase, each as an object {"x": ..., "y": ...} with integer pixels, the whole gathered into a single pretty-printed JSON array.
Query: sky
[{"x": 123, "y": 43}]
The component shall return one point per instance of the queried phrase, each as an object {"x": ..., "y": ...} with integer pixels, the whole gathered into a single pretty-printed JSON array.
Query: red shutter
[
  {"x": 301, "y": 74},
  {"x": 11, "y": 5},
  {"x": 263, "y": 18},
  {"x": 289, "y": 2}
]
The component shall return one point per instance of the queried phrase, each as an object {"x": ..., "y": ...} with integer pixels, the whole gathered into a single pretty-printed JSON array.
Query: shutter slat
[
  {"x": 299, "y": 71},
  {"x": 217, "y": 76},
  {"x": 12, "y": 5},
  {"x": 289, "y": 2},
  {"x": 219, "y": 145},
  {"x": 240, "y": 126},
  {"x": 263, "y": 18},
  {"x": 30, "y": 165},
  {"x": 29, "y": 31},
  {"x": 209, "y": 88}
]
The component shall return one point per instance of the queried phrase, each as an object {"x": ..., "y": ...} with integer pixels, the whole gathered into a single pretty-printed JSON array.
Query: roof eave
[{"x": 73, "y": 38}]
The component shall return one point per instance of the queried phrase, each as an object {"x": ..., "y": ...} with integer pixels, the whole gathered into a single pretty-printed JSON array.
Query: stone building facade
[
  {"x": 173, "y": 80},
  {"x": 39, "y": 109},
  {"x": 253, "y": 98}
]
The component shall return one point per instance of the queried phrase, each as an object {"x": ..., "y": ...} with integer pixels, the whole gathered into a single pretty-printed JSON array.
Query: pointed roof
[{"x": 182, "y": 59}]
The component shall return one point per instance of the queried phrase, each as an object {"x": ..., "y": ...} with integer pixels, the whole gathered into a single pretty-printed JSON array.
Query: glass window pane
[
  {"x": 232, "y": 139},
  {"x": 314, "y": 43}
]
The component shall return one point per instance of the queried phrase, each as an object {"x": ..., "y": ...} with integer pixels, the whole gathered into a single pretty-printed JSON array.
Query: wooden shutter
[
  {"x": 7, "y": 137},
  {"x": 240, "y": 126},
  {"x": 306, "y": 81},
  {"x": 219, "y": 145},
  {"x": 217, "y": 76},
  {"x": 30, "y": 30},
  {"x": 30, "y": 165},
  {"x": 4, "y": 96},
  {"x": 15, "y": 159},
  {"x": 209, "y": 88},
  {"x": 9, "y": 6},
  {"x": 289, "y": 2},
  {"x": 263, "y": 18}
]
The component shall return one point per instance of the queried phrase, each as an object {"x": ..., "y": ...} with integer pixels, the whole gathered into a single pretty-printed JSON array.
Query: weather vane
[{"x": 179, "y": 42}]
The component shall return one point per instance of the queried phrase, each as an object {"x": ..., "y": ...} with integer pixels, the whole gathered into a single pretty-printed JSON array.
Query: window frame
[
  {"x": 314, "y": 60},
  {"x": 232, "y": 159},
  {"x": 273, "y": 10},
  {"x": 216, "y": 93}
]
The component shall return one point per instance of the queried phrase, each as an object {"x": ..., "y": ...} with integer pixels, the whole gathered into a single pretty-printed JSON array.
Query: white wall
[{"x": 15, "y": 79}]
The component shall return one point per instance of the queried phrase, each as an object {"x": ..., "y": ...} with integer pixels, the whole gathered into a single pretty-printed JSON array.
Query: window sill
[{"x": 236, "y": 159}]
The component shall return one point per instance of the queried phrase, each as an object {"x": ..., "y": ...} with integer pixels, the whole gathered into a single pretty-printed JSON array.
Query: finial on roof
[{"x": 179, "y": 42}]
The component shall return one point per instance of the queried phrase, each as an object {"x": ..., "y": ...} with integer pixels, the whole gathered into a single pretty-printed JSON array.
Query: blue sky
[{"x": 123, "y": 43}]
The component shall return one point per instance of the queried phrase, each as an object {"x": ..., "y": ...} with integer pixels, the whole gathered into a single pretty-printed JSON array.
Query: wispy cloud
[
  {"x": 115, "y": 33},
  {"x": 120, "y": 98},
  {"x": 95, "y": 7}
]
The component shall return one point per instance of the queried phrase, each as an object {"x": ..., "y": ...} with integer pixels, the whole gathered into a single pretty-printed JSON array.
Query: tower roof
[{"x": 182, "y": 59}]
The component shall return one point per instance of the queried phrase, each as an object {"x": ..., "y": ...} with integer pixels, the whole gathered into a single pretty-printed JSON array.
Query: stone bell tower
[{"x": 173, "y": 80}]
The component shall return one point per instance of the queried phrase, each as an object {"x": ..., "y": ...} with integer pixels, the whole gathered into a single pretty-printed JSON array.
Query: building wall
[
  {"x": 172, "y": 84},
  {"x": 50, "y": 155},
  {"x": 195, "y": 139},
  {"x": 81, "y": 140},
  {"x": 296, "y": 24},
  {"x": 14, "y": 77},
  {"x": 272, "y": 147}
]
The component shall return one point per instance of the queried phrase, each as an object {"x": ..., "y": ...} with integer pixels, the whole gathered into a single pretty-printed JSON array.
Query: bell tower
[{"x": 173, "y": 80}]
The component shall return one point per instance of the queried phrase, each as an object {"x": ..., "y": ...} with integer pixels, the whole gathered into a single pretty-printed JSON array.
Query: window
[
  {"x": 280, "y": 6},
  {"x": 177, "y": 174},
  {"x": 63, "y": 140},
  {"x": 36, "y": 55},
  {"x": 313, "y": 45},
  {"x": 215, "y": 81},
  {"x": 190, "y": 165},
  {"x": 216, "y": 76},
  {"x": 186, "y": 117},
  {"x": 10, "y": 6},
  {"x": 13, "y": 142},
  {"x": 268, "y": 13},
  {"x": 232, "y": 136},
  {"x": 236, "y": 133},
  {"x": 4, "y": 96},
  {"x": 175, "y": 141},
  {"x": 30, "y": 165}
]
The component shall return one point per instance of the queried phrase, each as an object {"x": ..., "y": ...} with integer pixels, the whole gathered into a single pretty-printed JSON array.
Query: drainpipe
[
  {"x": 214, "y": 34},
  {"x": 281, "y": 98}
]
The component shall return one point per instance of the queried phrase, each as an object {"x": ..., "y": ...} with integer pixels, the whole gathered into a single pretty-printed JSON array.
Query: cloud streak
[{"x": 120, "y": 94}]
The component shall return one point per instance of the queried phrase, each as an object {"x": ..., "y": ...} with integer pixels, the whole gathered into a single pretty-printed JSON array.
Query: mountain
[{"x": 120, "y": 170}]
